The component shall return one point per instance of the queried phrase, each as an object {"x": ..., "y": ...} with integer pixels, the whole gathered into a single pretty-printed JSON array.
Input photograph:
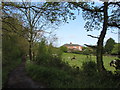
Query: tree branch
[
  {"x": 87, "y": 8},
  {"x": 114, "y": 24},
  {"x": 93, "y": 36},
  {"x": 91, "y": 46},
  {"x": 115, "y": 3}
]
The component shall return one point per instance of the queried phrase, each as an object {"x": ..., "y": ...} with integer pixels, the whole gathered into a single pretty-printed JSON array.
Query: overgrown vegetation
[
  {"x": 47, "y": 64},
  {"x": 50, "y": 76},
  {"x": 59, "y": 71},
  {"x": 89, "y": 68},
  {"x": 48, "y": 55},
  {"x": 13, "y": 47},
  {"x": 84, "y": 77},
  {"x": 116, "y": 49}
]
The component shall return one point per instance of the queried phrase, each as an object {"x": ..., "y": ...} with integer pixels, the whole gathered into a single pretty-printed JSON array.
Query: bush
[
  {"x": 77, "y": 52},
  {"x": 51, "y": 76},
  {"x": 89, "y": 68},
  {"x": 42, "y": 53},
  {"x": 48, "y": 55},
  {"x": 63, "y": 49},
  {"x": 117, "y": 72}
]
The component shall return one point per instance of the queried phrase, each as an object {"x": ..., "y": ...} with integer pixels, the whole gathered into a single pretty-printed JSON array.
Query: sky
[{"x": 75, "y": 32}]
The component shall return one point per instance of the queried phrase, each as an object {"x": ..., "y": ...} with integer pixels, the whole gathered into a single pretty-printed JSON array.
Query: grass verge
[
  {"x": 7, "y": 69},
  {"x": 50, "y": 76},
  {"x": 54, "y": 77}
]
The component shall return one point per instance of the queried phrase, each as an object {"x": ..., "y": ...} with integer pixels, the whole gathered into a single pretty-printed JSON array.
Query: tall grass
[
  {"x": 70, "y": 76},
  {"x": 87, "y": 77},
  {"x": 50, "y": 76}
]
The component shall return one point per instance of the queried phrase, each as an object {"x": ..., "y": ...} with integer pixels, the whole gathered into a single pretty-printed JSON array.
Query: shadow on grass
[{"x": 72, "y": 77}]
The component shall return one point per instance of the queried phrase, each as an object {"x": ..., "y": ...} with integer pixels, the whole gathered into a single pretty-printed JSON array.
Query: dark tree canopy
[
  {"x": 109, "y": 45},
  {"x": 100, "y": 17}
]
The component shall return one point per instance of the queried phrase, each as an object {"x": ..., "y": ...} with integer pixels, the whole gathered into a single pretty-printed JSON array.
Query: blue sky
[{"x": 74, "y": 32}]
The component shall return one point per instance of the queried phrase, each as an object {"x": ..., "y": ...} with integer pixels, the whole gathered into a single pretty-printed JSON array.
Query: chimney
[{"x": 70, "y": 42}]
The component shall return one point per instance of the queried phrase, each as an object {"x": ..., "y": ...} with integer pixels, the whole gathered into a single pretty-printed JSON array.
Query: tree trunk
[
  {"x": 30, "y": 51},
  {"x": 100, "y": 65},
  {"x": 118, "y": 51}
]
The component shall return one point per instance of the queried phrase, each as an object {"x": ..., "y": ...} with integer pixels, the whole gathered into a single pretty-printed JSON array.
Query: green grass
[
  {"x": 7, "y": 69},
  {"x": 83, "y": 58},
  {"x": 86, "y": 77},
  {"x": 50, "y": 76}
]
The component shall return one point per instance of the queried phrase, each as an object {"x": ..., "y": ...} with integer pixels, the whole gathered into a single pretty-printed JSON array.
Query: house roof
[{"x": 71, "y": 45}]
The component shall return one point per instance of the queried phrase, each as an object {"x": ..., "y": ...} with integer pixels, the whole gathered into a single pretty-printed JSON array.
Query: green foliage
[
  {"x": 96, "y": 17},
  {"x": 89, "y": 68},
  {"x": 13, "y": 46},
  {"x": 76, "y": 52},
  {"x": 82, "y": 58},
  {"x": 117, "y": 72},
  {"x": 53, "y": 77},
  {"x": 116, "y": 49},
  {"x": 109, "y": 45},
  {"x": 42, "y": 52},
  {"x": 63, "y": 48},
  {"x": 48, "y": 55},
  {"x": 87, "y": 51}
]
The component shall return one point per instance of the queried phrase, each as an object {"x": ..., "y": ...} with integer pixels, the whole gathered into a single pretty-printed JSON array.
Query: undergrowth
[
  {"x": 86, "y": 77},
  {"x": 7, "y": 69}
]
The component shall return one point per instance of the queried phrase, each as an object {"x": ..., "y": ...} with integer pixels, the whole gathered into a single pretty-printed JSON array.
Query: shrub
[
  {"x": 42, "y": 52},
  {"x": 63, "y": 49},
  {"x": 51, "y": 76},
  {"x": 48, "y": 55},
  {"x": 117, "y": 72},
  {"x": 77, "y": 52},
  {"x": 89, "y": 67}
]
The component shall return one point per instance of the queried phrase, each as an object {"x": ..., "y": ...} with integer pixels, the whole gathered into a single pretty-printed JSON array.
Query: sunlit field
[{"x": 82, "y": 58}]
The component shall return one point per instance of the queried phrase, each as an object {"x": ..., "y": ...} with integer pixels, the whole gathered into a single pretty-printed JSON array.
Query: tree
[
  {"x": 38, "y": 17},
  {"x": 89, "y": 49},
  {"x": 14, "y": 46},
  {"x": 109, "y": 45},
  {"x": 63, "y": 49},
  {"x": 116, "y": 49},
  {"x": 97, "y": 17}
]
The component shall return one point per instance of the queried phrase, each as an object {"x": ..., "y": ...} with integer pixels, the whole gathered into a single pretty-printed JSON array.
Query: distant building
[{"x": 73, "y": 46}]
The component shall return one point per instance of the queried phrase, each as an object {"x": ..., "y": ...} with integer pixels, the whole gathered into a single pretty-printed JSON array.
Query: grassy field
[
  {"x": 82, "y": 58},
  {"x": 66, "y": 77}
]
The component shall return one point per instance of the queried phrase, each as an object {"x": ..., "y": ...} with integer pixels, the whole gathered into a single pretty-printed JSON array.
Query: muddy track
[{"x": 18, "y": 79}]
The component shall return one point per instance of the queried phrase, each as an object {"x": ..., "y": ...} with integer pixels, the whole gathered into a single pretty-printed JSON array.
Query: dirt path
[{"x": 19, "y": 79}]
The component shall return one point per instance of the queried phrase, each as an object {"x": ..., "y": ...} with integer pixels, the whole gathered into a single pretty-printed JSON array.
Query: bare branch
[
  {"x": 93, "y": 36},
  {"x": 91, "y": 46},
  {"x": 87, "y": 8},
  {"x": 115, "y": 3}
]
